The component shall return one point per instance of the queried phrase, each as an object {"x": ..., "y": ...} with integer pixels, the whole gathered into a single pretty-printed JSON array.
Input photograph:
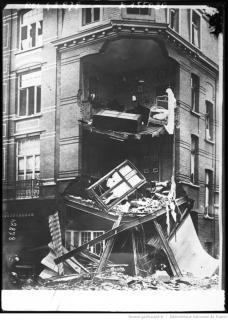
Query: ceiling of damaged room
[{"x": 126, "y": 55}]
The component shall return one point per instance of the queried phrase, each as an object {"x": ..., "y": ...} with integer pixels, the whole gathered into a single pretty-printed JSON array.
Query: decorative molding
[{"x": 139, "y": 28}]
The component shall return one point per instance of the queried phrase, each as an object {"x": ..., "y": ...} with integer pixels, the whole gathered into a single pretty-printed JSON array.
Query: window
[
  {"x": 140, "y": 11},
  {"x": 77, "y": 238},
  {"x": 209, "y": 120},
  {"x": 31, "y": 29},
  {"x": 5, "y": 35},
  {"x": 208, "y": 191},
  {"x": 28, "y": 158},
  {"x": 90, "y": 15},
  {"x": 195, "y": 31},
  {"x": 29, "y": 102},
  {"x": 195, "y": 93},
  {"x": 174, "y": 19},
  {"x": 194, "y": 159}
]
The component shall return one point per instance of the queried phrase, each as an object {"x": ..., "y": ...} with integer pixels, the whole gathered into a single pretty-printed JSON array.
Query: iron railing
[
  {"x": 27, "y": 189},
  {"x": 23, "y": 189}
]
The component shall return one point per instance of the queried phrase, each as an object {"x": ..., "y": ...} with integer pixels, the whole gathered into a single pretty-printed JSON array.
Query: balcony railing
[
  {"x": 27, "y": 189},
  {"x": 23, "y": 189}
]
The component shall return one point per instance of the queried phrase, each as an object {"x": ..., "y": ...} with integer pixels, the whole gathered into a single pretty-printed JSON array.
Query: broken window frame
[
  {"x": 28, "y": 19},
  {"x": 98, "y": 198},
  {"x": 79, "y": 234}
]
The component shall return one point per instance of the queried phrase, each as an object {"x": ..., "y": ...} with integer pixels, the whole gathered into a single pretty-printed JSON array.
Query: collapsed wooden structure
[{"x": 162, "y": 221}]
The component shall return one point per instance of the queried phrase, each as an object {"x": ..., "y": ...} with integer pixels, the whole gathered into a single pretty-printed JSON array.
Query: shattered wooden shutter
[{"x": 56, "y": 238}]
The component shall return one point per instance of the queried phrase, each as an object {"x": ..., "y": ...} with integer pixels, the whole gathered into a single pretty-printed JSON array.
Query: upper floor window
[
  {"x": 209, "y": 120},
  {"x": 195, "y": 31},
  {"x": 90, "y": 15},
  {"x": 31, "y": 28},
  {"x": 195, "y": 93},
  {"x": 208, "y": 191},
  {"x": 174, "y": 19},
  {"x": 28, "y": 158},
  {"x": 29, "y": 101},
  {"x": 194, "y": 159},
  {"x": 140, "y": 11}
]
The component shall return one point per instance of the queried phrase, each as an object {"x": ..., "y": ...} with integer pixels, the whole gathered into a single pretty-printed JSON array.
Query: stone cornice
[{"x": 118, "y": 28}]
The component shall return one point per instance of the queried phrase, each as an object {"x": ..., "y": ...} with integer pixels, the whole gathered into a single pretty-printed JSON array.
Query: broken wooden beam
[
  {"x": 111, "y": 233},
  {"x": 173, "y": 263},
  {"x": 108, "y": 248},
  {"x": 134, "y": 252}
]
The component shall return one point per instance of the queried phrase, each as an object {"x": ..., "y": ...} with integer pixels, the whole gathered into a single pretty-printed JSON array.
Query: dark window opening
[
  {"x": 208, "y": 191},
  {"x": 140, "y": 11},
  {"x": 174, "y": 19},
  {"x": 31, "y": 100},
  {"x": 23, "y": 98},
  {"x": 38, "y": 99},
  {"x": 195, "y": 29},
  {"x": 40, "y": 28},
  {"x": 194, "y": 159},
  {"x": 90, "y": 15},
  {"x": 209, "y": 120},
  {"x": 195, "y": 93}
]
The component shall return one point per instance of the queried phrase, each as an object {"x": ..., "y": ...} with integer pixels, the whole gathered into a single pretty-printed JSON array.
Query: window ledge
[
  {"x": 18, "y": 118},
  {"x": 190, "y": 184},
  {"x": 209, "y": 141},
  {"x": 28, "y": 50},
  {"x": 194, "y": 113}
]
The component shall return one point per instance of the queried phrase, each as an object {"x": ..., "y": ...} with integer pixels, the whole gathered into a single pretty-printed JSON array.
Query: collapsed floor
[{"x": 152, "y": 245}]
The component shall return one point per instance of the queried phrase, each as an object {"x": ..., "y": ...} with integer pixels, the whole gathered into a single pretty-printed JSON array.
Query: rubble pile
[
  {"x": 117, "y": 279},
  {"x": 157, "y": 255}
]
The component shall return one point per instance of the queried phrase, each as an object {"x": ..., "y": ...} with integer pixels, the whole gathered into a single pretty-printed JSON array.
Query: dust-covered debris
[{"x": 118, "y": 280}]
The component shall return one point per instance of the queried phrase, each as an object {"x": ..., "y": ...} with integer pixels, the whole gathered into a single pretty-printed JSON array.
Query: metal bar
[{"x": 117, "y": 230}]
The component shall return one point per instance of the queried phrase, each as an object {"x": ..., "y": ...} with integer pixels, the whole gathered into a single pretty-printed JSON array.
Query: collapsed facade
[{"x": 101, "y": 79}]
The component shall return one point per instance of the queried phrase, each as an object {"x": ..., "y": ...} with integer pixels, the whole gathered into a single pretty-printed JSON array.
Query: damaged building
[{"x": 89, "y": 88}]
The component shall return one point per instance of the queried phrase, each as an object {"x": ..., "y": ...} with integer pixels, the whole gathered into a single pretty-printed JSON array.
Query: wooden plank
[
  {"x": 55, "y": 231},
  {"x": 48, "y": 261},
  {"x": 134, "y": 252},
  {"x": 170, "y": 255},
  {"x": 111, "y": 233},
  {"x": 108, "y": 248}
]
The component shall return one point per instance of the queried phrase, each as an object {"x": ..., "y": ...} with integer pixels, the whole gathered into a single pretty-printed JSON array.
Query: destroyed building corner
[{"x": 110, "y": 158}]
